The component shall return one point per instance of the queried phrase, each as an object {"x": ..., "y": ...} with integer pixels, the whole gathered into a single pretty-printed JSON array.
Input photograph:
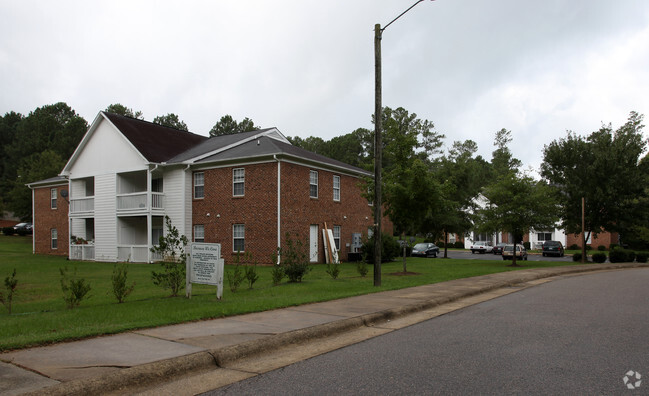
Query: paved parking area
[{"x": 490, "y": 256}]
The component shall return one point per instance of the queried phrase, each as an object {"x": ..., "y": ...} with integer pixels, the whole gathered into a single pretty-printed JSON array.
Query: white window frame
[
  {"x": 54, "y": 239},
  {"x": 199, "y": 233},
  {"x": 336, "y": 184},
  {"x": 238, "y": 178},
  {"x": 336, "y": 232},
  {"x": 199, "y": 177},
  {"x": 53, "y": 193},
  {"x": 238, "y": 234},
  {"x": 313, "y": 183}
]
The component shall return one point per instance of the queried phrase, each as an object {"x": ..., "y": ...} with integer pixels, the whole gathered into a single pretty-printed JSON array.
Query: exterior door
[{"x": 313, "y": 243}]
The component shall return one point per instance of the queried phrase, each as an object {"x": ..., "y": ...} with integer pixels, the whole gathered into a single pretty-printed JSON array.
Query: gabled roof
[
  {"x": 155, "y": 142},
  {"x": 52, "y": 181}
]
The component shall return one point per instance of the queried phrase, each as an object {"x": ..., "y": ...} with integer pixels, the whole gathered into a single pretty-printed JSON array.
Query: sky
[{"x": 472, "y": 67}]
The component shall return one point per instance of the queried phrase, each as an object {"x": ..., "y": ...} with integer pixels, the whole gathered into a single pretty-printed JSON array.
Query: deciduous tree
[{"x": 171, "y": 120}]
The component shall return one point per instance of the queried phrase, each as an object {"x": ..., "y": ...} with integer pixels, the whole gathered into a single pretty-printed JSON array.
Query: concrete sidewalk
[{"x": 137, "y": 359}]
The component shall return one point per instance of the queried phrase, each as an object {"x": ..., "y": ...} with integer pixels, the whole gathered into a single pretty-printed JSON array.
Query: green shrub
[
  {"x": 458, "y": 245},
  {"x": 333, "y": 270},
  {"x": 601, "y": 248},
  {"x": 171, "y": 247},
  {"x": 295, "y": 259},
  {"x": 10, "y": 286},
  {"x": 119, "y": 280},
  {"x": 361, "y": 267},
  {"x": 588, "y": 247},
  {"x": 74, "y": 289},
  {"x": 620, "y": 255},
  {"x": 389, "y": 248},
  {"x": 8, "y": 231},
  {"x": 599, "y": 257},
  {"x": 641, "y": 257},
  {"x": 235, "y": 277},
  {"x": 612, "y": 246},
  {"x": 441, "y": 245},
  {"x": 574, "y": 246},
  {"x": 526, "y": 245},
  {"x": 576, "y": 257},
  {"x": 251, "y": 275}
]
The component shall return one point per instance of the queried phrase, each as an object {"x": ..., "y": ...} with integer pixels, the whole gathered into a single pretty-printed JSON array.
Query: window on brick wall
[
  {"x": 199, "y": 233},
  {"x": 336, "y": 188},
  {"x": 313, "y": 184},
  {"x": 238, "y": 238},
  {"x": 54, "y": 238},
  {"x": 336, "y": 233},
  {"x": 53, "y": 198},
  {"x": 238, "y": 182},
  {"x": 199, "y": 185}
]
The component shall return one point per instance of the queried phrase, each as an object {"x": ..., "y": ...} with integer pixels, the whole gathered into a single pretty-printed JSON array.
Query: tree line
[{"x": 429, "y": 188}]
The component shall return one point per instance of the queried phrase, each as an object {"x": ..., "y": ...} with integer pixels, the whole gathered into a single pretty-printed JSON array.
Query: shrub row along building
[{"x": 246, "y": 191}]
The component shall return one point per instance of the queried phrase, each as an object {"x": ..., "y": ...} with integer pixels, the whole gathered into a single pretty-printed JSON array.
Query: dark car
[
  {"x": 425, "y": 250},
  {"x": 23, "y": 228},
  {"x": 552, "y": 248},
  {"x": 498, "y": 249},
  {"x": 508, "y": 252}
]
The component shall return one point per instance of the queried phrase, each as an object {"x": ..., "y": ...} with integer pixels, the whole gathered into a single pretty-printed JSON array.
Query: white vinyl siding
[
  {"x": 238, "y": 182},
  {"x": 105, "y": 218}
]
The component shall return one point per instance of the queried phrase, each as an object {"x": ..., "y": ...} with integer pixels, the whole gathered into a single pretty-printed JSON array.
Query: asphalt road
[
  {"x": 578, "y": 335},
  {"x": 490, "y": 256}
]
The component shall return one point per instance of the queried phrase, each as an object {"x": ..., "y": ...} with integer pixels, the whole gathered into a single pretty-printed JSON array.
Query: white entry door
[{"x": 313, "y": 243}]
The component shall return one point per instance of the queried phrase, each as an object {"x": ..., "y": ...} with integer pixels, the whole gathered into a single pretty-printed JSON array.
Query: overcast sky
[{"x": 537, "y": 68}]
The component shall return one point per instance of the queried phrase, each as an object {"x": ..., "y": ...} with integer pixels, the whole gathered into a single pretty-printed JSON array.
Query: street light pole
[{"x": 378, "y": 146}]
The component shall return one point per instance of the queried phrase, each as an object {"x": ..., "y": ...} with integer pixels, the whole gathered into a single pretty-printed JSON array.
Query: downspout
[
  {"x": 184, "y": 201},
  {"x": 33, "y": 223},
  {"x": 149, "y": 217},
  {"x": 279, "y": 208}
]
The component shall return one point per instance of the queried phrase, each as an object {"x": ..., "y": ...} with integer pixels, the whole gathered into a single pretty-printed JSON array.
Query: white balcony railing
[
  {"x": 135, "y": 253},
  {"x": 82, "y": 205},
  {"x": 138, "y": 201},
  {"x": 82, "y": 252}
]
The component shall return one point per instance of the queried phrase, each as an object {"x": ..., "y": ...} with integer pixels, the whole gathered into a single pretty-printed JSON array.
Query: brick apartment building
[{"x": 245, "y": 191}]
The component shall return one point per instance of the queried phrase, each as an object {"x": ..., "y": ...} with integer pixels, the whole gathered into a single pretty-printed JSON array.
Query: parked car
[
  {"x": 23, "y": 228},
  {"x": 481, "y": 247},
  {"x": 425, "y": 250},
  {"x": 508, "y": 252},
  {"x": 498, "y": 249},
  {"x": 552, "y": 248}
]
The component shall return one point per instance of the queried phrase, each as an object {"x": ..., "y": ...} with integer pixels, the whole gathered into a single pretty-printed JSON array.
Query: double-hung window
[
  {"x": 336, "y": 233},
  {"x": 53, "y": 198},
  {"x": 199, "y": 233},
  {"x": 54, "y": 238},
  {"x": 238, "y": 182},
  {"x": 336, "y": 188},
  {"x": 313, "y": 184},
  {"x": 238, "y": 237},
  {"x": 199, "y": 185}
]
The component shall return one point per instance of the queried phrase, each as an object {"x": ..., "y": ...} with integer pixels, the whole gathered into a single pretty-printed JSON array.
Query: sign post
[{"x": 205, "y": 266}]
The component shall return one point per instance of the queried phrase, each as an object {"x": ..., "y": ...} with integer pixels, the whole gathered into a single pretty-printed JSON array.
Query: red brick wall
[
  {"x": 257, "y": 210},
  {"x": 604, "y": 238},
  {"x": 46, "y": 218}
]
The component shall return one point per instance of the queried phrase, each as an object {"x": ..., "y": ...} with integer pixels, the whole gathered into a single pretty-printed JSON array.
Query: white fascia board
[
  {"x": 93, "y": 127},
  {"x": 272, "y": 133},
  {"x": 323, "y": 166}
]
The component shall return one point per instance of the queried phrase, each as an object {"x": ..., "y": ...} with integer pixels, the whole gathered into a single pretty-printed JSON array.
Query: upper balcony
[
  {"x": 138, "y": 202},
  {"x": 85, "y": 205}
]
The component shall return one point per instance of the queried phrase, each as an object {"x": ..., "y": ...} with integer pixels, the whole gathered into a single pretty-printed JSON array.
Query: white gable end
[{"x": 106, "y": 151}]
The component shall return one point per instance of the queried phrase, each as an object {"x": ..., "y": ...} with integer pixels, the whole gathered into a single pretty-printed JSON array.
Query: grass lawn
[{"x": 40, "y": 315}]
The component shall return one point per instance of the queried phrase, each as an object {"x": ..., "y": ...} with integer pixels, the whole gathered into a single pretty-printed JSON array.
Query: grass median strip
[{"x": 40, "y": 315}]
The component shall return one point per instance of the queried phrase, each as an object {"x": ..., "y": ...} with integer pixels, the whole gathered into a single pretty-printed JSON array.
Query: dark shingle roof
[
  {"x": 265, "y": 146},
  {"x": 214, "y": 143},
  {"x": 155, "y": 142}
]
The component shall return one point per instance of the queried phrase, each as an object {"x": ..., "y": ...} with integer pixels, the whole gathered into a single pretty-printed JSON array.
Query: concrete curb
[{"x": 155, "y": 372}]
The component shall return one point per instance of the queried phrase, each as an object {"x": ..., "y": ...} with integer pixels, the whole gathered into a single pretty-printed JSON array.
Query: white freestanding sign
[{"x": 205, "y": 266}]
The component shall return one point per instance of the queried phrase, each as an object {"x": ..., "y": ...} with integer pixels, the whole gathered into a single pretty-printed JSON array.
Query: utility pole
[{"x": 378, "y": 146}]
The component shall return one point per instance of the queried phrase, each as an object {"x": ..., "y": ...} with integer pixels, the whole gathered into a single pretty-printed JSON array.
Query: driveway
[{"x": 490, "y": 256}]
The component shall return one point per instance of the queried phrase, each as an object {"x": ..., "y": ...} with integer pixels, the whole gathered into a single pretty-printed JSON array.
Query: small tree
[
  {"x": 120, "y": 288},
  {"x": 171, "y": 247},
  {"x": 74, "y": 289},
  {"x": 295, "y": 259},
  {"x": 517, "y": 204},
  {"x": 10, "y": 285}
]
